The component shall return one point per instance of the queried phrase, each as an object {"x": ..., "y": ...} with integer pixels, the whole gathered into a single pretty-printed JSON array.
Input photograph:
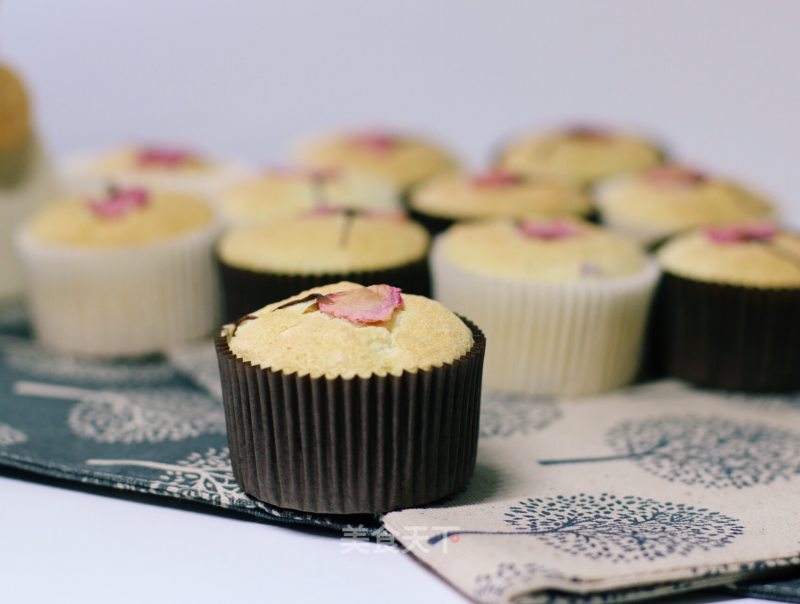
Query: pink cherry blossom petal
[
  {"x": 378, "y": 142},
  {"x": 548, "y": 230},
  {"x": 741, "y": 233},
  {"x": 678, "y": 176},
  {"x": 119, "y": 203},
  {"x": 363, "y": 305},
  {"x": 164, "y": 157},
  {"x": 495, "y": 179}
]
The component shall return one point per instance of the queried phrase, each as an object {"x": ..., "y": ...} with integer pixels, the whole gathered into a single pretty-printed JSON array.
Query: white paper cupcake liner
[
  {"x": 16, "y": 204},
  {"x": 122, "y": 302},
  {"x": 560, "y": 339}
]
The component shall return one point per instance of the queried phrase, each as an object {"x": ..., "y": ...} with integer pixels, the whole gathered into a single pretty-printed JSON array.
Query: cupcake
[
  {"x": 283, "y": 193},
  {"x": 451, "y": 198},
  {"x": 347, "y": 399},
  {"x": 580, "y": 155},
  {"x": 26, "y": 176},
  {"x": 402, "y": 161},
  {"x": 125, "y": 274},
  {"x": 656, "y": 203},
  {"x": 151, "y": 167},
  {"x": 269, "y": 262},
  {"x": 729, "y": 308},
  {"x": 563, "y": 303}
]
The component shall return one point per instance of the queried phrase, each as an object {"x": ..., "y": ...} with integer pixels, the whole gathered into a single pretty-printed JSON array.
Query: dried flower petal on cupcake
[
  {"x": 171, "y": 158},
  {"x": 368, "y": 305},
  {"x": 742, "y": 233},
  {"x": 119, "y": 202},
  {"x": 547, "y": 230}
]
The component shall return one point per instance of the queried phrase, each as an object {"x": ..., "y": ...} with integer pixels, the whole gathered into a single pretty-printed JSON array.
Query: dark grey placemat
[
  {"x": 787, "y": 590},
  {"x": 134, "y": 425}
]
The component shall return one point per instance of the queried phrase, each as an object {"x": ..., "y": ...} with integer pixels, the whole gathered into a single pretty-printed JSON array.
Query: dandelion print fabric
[
  {"x": 647, "y": 492},
  {"x": 148, "y": 425}
]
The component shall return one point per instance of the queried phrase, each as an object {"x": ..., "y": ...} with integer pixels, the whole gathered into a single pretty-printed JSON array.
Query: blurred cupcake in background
[
  {"x": 285, "y": 192},
  {"x": 26, "y": 175},
  {"x": 581, "y": 155},
  {"x": 398, "y": 159},
  {"x": 269, "y": 262},
  {"x": 159, "y": 168},
  {"x": 728, "y": 312},
  {"x": 564, "y": 304},
  {"x": 130, "y": 272},
  {"x": 450, "y": 198},
  {"x": 658, "y": 202}
]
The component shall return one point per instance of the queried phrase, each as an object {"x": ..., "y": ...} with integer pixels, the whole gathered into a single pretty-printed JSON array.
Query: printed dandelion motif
[
  {"x": 616, "y": 529},
  {"x": 508, "y": 576},
  {"x": 134, "y": 416},
  {"x": 705, "y": 451},
  {"x": 11, "y": 436},
  {"x": 207, "y": 476},
  {"x": 26, "y": 357},
  {"x": 505, "y": 415}
]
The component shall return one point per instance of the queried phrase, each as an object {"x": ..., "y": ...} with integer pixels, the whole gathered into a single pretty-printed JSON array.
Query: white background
[{"x": 718, "y": 80}]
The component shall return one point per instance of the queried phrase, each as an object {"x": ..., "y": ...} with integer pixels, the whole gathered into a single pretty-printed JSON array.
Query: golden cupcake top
[
  {"x": 327, "y": 240},
  {"x": 347, "y": 330},
  {"x": 400, "y": 160},
  {"x": 282, "y": 193},
  {"x": 122, "y": 218},
  {"x": 563, "y": 250},
  {"x": 497, "y": 194},
  {"x": 580, "y": 155},
  {"x": 148, "y": 159},
  {"x": 15, "y": 119},
  {"x": 747, "y": 254},
  {"x": 667, "y": 199}
]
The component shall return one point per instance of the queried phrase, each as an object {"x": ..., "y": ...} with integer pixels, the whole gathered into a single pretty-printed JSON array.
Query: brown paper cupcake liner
[
  {"x": 352, "y": 446},
  {"x": 729, "y": 337},
  {"x": 245, "y": 290}
]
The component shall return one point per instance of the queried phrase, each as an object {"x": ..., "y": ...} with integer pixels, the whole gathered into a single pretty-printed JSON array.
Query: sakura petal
[
  {"x": 119, "y": 203},
  {"x": 674, "y": 176},
  {"x": 741, "y": 233},
  {"x": 548, "y": 230},
  {"x": 363, "y": 305},
  {"x": 495, "y": 179},
  {"x": 379, "y": 142},
  {"x": 164, "y": 157}
]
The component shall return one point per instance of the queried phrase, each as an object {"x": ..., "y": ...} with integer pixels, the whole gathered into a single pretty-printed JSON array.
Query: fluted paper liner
[
  {"x": 122, "y": 302},
  {"x": 247, "y": 290},
  {"x": 728, "y": 336},
  {"x": 552, "y": 338},
  {"x": 351, "y": 446}
]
